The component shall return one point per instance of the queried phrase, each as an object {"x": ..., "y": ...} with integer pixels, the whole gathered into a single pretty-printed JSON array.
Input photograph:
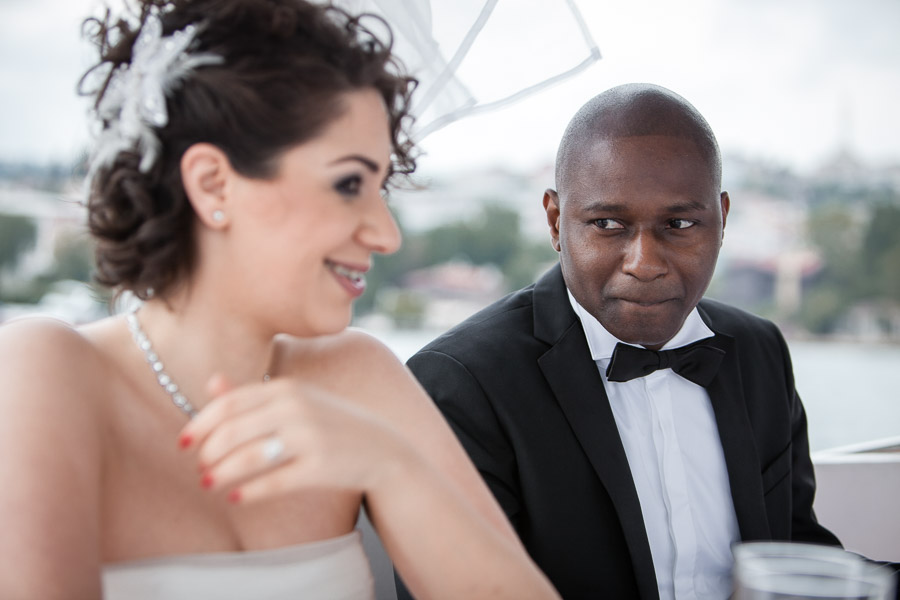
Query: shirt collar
[{"x": 601, "y": 342}]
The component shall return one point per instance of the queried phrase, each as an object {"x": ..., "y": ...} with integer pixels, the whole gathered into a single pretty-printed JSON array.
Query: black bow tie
[{"x": 697, "y": 362}]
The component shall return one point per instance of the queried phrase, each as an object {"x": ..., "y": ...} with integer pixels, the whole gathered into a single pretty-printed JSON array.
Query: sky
[{"x": 786, "y": 82}]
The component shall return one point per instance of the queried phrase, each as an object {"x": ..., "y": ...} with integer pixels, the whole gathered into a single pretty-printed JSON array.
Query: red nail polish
[
  {"x": 234, "y": 496},
  {"x": 185, "y": 440},
  {"x": 207, "y": 481}
]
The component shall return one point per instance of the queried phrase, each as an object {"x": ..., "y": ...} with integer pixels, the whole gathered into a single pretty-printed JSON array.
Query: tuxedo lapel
[
  {"x": 726, "y": 393},
  {"x": 578, "y": 389}
]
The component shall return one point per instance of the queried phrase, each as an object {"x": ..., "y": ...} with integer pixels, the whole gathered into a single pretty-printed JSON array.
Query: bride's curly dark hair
[{"x": 285, "y": 63}]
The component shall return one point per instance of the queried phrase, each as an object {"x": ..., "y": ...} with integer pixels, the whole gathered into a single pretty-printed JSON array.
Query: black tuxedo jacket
[{"x": 519, "y": 387}]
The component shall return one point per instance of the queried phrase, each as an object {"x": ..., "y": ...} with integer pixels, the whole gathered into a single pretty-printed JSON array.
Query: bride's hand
[{"x": 263, "y": 440}]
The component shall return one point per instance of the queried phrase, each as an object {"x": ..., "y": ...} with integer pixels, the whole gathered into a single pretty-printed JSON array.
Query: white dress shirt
[{"x": 669, "y": 432}]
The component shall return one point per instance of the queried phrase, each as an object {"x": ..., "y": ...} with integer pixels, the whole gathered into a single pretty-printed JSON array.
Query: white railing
[{"x": 858, "y": 496}]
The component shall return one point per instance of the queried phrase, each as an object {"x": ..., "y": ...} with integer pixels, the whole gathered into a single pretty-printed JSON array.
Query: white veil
[{"x": 472, "y": 56}]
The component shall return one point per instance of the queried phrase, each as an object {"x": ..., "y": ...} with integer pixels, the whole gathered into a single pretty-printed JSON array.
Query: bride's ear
[{"x": 205, "y": 171}]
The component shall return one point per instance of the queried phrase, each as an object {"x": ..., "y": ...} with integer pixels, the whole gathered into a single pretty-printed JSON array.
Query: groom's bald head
[{"x": 634, "y": 109}]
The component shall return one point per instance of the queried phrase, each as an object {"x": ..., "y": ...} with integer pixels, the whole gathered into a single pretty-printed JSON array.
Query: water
[{"x": 851, "y": 391}]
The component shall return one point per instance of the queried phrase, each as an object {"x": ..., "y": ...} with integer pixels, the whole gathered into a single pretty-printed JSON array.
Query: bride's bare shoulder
[
  {"x": 41, "y": 356},
  {"x": 350, "y": 345},
  {"x": 352, "y": 362},
  {"x": 45, "y": 336},
  {"x": 26, "y": 338}
]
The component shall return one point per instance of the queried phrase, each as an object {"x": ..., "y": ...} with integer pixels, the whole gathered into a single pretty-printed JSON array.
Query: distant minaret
[
  {"x": 844, "y": 127},
  {"x": 843, "y": 164}
]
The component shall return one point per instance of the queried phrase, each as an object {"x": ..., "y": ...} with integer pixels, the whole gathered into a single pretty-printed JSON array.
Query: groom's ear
[{"x": 551, "y": 207}]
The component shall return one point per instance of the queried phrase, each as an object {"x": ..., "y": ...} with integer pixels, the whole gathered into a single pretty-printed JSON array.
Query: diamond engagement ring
[{"x": 273, "y": 449}]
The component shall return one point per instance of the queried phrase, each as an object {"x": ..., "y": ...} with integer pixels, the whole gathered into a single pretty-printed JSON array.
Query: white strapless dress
[{"x": 333, "y": 569}]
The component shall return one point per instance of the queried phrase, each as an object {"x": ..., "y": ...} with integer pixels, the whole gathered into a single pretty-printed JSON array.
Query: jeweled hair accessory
[{"x": 134, "y": 102}]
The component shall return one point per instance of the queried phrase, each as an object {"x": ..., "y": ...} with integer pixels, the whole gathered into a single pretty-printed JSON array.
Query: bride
[{"x": 219, "y": 440}]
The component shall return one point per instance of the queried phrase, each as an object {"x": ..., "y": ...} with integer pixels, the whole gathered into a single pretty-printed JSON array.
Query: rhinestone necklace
[{"x": 164, "y": 379}]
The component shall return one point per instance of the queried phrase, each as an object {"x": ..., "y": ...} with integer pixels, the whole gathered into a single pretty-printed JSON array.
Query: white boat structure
[{"x": 858, "y": 496}]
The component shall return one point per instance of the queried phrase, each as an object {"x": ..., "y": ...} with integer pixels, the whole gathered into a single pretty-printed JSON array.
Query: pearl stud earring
[{"x": 218, "y": 216}]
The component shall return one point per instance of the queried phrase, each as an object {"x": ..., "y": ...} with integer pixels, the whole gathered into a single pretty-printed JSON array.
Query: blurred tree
[
  {"x": 530, "y": 261},
  {"x": 837, "y": 234},
  {"x": 492, "y": 236},
  {"x": 17, "y": 236},
  {"x": 74, "y": 257},
  {"x": 880, "y": 260},
  {"x": 861, "y": 256},
  {"x": 889, "y": 265}
]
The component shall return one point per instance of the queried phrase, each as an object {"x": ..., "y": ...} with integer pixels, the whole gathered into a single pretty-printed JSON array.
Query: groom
[{"x": 629, "y": 473}]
